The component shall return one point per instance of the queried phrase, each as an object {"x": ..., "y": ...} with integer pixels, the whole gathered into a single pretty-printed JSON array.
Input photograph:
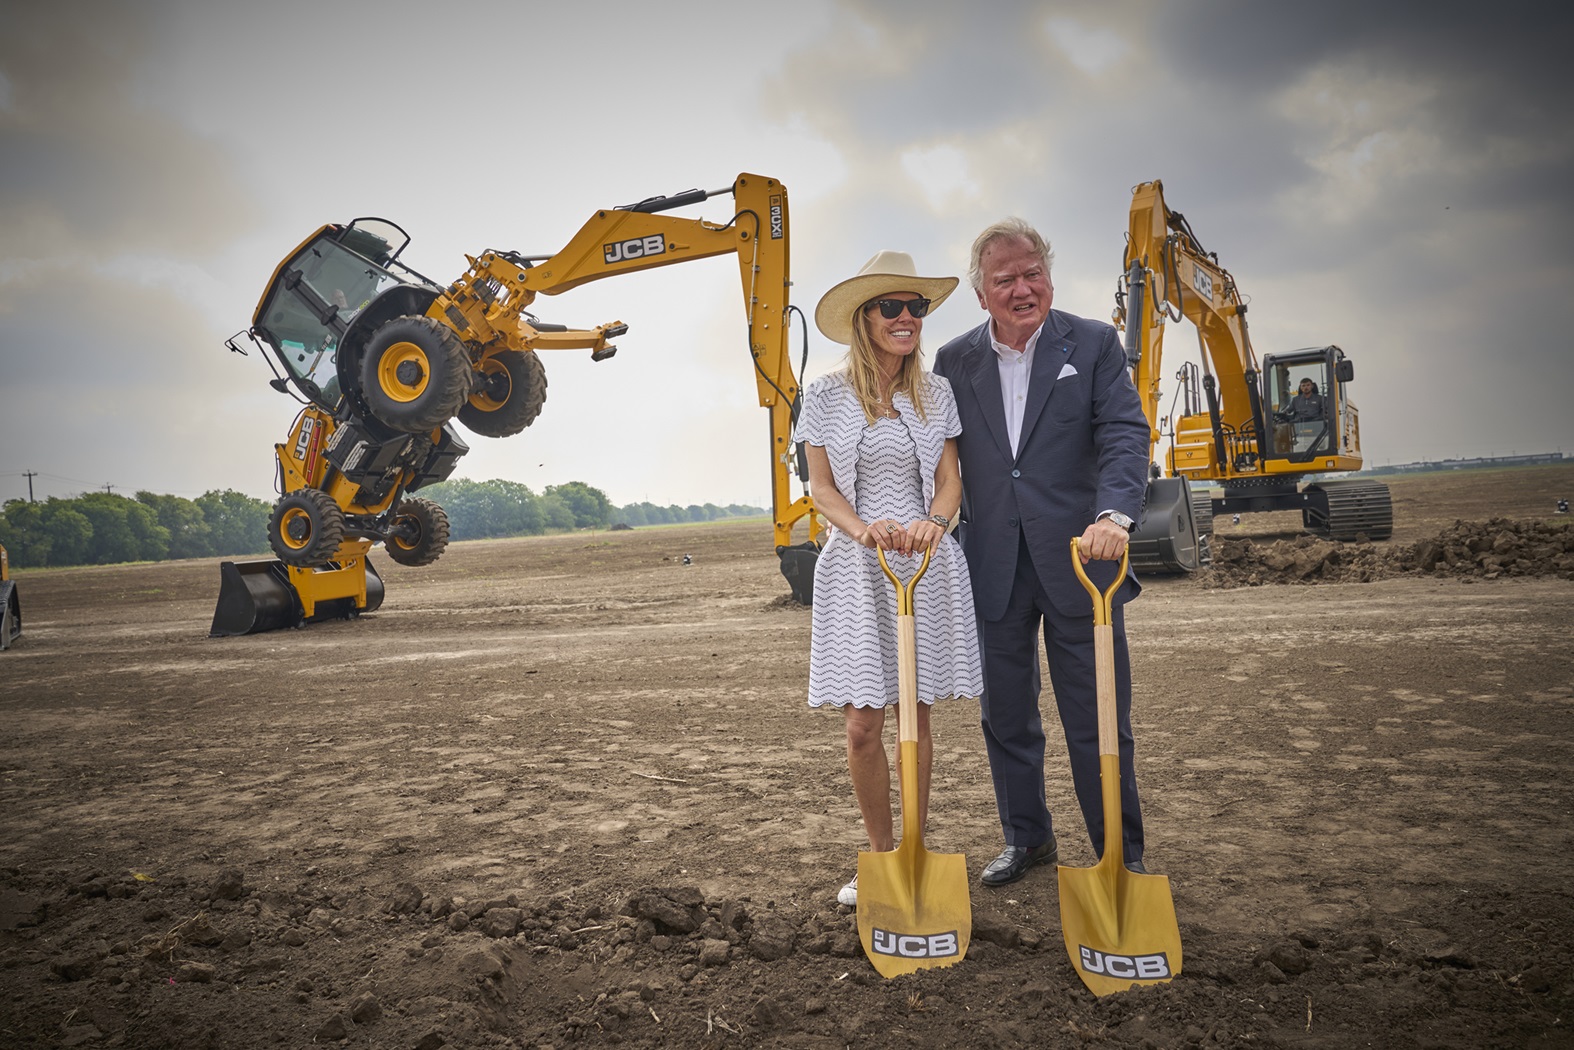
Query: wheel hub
[{"x": 409, "y": 373}]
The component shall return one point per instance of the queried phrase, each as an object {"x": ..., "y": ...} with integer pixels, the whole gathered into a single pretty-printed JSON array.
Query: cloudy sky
[{"x": 1390, "y": 177}]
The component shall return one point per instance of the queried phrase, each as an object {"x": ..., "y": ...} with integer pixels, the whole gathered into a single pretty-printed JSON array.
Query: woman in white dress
[{"x": 883, "y": 470}]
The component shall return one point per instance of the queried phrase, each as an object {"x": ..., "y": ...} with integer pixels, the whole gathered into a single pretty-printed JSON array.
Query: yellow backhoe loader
[
  {"x": 10, "y": 604},
  {"x": 1246, "y": 429},
  {"x": 385, "y": 360}
]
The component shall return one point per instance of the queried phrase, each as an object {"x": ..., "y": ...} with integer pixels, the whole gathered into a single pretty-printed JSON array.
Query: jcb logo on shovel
[
  {"x": 1136, "y": 967},
  {"x": 911, "y": 946}
]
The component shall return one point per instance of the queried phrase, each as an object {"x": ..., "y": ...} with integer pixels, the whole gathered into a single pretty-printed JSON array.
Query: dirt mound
[{"x": 1485, "y": 549}]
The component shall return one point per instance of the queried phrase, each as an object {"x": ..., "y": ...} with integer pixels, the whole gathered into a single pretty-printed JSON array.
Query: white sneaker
[{"x": 848, "y": 894}]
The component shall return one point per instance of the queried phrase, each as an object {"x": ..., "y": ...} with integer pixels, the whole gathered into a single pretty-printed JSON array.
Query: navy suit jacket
[{"x": 1083, "y": 450}]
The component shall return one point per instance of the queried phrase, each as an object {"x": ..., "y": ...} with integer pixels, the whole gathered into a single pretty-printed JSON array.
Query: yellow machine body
[
  {"x": 386, "y": 360},
  {"x": 1232, "y": 430},
  {"x": 10, "y": 604}
]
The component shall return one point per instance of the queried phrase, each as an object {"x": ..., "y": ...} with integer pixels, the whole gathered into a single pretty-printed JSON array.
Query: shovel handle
[
  {"x": 1102, "y": 602},
  {"x": 904, "y": 591}
]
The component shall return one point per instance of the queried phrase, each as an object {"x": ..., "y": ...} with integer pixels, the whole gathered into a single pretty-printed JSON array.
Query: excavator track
[{"x": 1349, "y": 509}]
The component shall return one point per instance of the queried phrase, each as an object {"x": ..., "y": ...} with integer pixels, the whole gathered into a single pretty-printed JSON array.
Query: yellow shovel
[
  {"x": 913, "y": 907},
  {"x": 1119, "y": 926}
]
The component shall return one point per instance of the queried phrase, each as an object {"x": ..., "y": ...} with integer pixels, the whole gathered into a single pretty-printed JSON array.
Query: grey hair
[{"x": 1009, "y": 227}]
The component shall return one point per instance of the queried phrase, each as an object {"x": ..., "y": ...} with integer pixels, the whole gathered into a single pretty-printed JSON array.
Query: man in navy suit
[{"x": 1054, "y": 445}]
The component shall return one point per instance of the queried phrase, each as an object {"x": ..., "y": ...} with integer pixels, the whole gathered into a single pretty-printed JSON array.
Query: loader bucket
[
  {"x": 10, "y": 614},
  {"x": 258, "y": 596}
]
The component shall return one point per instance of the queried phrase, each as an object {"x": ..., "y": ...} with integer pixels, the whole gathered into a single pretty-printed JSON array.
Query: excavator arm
[
  {"x": 1168, "y": 276},
  {"x": 488, "y": 305}
]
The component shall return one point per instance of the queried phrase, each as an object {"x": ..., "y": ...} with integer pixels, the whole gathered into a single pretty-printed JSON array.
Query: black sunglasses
[{"x": 891, "y": 309}]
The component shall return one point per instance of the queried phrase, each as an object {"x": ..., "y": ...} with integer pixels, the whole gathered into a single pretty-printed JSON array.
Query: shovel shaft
[
  {"x": 907, "y": 679},
  {"x": 1104, "y": 667}
]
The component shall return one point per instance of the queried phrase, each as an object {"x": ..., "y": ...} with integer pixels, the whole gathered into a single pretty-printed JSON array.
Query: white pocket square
[{"x": 1066, "y": 370}]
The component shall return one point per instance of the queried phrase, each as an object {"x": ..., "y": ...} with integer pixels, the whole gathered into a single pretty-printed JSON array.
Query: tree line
[{"x": 101, "y": 528}]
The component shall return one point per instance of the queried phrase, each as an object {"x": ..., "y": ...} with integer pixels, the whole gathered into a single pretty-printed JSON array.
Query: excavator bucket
[
  {"x": 798, "y": 562},
  {"x": 10, "y": 614},
  {"x": 1167, "y": 539},
  {"x": 266, "y": 595}
]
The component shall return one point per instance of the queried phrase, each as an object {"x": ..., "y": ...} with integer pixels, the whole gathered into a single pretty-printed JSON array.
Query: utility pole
[
  {"x": 109, "y": 488},
  {"x": 30, "y": 475}
]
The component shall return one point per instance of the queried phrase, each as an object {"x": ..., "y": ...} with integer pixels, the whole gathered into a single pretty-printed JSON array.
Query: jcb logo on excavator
[
  {"x": 304, "y": 441},
  {"x": 635, "y": 248},
  {"x": 776, "y": 217}
]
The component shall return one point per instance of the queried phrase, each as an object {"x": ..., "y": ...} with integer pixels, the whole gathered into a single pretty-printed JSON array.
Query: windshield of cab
[
  {"x": 308, "y": 314},
  {"x": 1298, "y": 405}
]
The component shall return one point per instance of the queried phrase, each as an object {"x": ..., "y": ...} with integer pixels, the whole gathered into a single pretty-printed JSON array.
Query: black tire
[
  {"x": 415, "y": 374},
  {"x": 510, "y": 388},
  {"x": 306, "y": 528},
  {"x": 419, "y": 533}
]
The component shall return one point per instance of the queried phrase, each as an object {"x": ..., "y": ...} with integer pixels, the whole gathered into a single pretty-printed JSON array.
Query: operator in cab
[{"x": 1306, "y": 406}]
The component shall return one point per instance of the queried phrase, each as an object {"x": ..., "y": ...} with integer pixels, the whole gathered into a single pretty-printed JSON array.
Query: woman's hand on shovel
[{"x": 885, "y": 534}]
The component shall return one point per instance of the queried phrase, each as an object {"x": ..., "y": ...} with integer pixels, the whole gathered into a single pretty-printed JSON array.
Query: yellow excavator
[
  {"x": 10, "y": 605},
  {"x": 1262, "y": 432},
  {"x": 384, "y": 360}
]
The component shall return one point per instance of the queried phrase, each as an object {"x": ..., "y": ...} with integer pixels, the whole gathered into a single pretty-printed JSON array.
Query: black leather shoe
[
  {"x": 1014, "y": 861},
  {"x": 1135, "y": 867}
]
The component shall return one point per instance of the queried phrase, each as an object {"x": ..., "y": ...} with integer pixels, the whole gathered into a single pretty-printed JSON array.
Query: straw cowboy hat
[{"x": 887, "y": 272}]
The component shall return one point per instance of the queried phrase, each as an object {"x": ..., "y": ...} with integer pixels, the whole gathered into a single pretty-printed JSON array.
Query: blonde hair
[
  {"x": 1010, "y": 227},
  {"x": 864, "y": 373}
]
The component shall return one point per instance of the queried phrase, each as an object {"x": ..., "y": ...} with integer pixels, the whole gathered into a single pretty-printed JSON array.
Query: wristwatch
[
  {"x": 1120, "y": 519},
  {"x": 940, "y": 520}
]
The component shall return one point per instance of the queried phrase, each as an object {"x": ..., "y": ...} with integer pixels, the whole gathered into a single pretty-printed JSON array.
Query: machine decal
[
  {"x": 776, "y": 217},
  {"x": 1137, "y": 967},
  {"x": 932, "y": 946},
  {"x": 1203, "y": 282},
  {"x": 634, "y": 248},
  {"x": 304, "y": 440}
]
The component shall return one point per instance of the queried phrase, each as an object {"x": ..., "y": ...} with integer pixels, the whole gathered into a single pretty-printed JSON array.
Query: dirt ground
[{"x": 565, "y": 791}]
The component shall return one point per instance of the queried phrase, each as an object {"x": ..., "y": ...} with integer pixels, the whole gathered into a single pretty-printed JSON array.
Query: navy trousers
[{"x": 1014, "y": 730}]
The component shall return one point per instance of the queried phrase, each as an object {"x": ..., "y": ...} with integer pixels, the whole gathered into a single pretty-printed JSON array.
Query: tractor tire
[
  {"x": 419, "y": 534},
  {"x": 510, "y": 388},
  {"x": 415, "y": 375},
  {"x": 306, "y": 528}
]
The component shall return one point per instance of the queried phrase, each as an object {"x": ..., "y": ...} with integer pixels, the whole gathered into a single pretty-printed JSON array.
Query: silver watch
[{"x": 1120, "y": 519}]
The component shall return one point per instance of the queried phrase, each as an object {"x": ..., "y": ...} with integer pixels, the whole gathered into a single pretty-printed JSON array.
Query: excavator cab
[
  {"x": 1309, "y": 413},
  {"x": 319, "y": 292}
]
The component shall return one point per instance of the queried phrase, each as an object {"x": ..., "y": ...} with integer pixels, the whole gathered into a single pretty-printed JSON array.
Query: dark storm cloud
[
  {"x": 1392, "y": 177},
  {"x": 84, "y": 166}
]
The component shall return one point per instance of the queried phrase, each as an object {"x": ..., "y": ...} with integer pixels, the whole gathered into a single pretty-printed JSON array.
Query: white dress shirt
[{"x": 1015, "y": 370}]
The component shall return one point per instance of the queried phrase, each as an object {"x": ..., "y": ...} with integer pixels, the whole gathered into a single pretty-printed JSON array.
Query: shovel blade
[
  {"x": 1120, "y": 927},
  {"x": 913, "y": 909}
]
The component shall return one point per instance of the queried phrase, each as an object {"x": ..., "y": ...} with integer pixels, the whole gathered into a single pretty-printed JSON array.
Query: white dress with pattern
[{"x": 886, "y": 471}]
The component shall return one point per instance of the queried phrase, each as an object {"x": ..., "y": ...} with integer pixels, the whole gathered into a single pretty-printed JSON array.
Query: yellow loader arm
[{"x": 488, "y": 304}]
